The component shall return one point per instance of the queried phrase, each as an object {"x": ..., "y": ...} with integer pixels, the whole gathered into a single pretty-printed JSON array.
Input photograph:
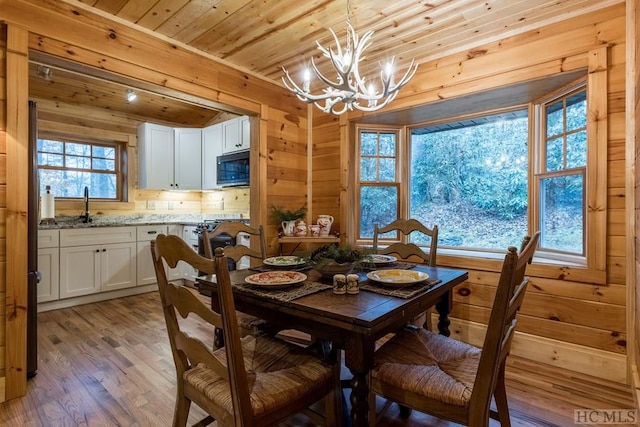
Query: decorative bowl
[{"x": 329, "y": 267}]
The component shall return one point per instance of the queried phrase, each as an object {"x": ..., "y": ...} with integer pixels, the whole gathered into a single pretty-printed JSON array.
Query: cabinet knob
[
  {"x": 104, "y": 250},
  {"x": 97, "y": 250}
]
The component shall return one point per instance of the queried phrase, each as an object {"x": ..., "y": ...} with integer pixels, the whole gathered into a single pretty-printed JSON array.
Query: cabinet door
[
  {"x": 79, "y": 270},
  {"x": 230, "y": 135},
  {"x": 145, "y": 271},
  {"x": 178, "y": 272},
  {"x": 188, "y": 159},
  {"x": 211, "y": 149},
  {"x": 118, "y": 266},
  {"x": 49, "y": 268},
  {"x": 155, "y": 151},
  {"x": 245, "y": 133}
]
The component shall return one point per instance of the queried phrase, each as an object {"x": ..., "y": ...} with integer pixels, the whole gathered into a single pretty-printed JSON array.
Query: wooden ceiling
[{"x": 260, "y": 36}]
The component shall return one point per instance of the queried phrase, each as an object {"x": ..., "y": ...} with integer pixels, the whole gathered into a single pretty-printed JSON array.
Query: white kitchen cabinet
[
  {"x": 48, "y": 265},
  {"x": 243, "y": 239},
  {"x": 188, "y": 159},
  {"x": 169, "y": 158},
  {"x": 155, "y": 156},
  {"x": 146, "y": 273},
  {"x": 236, "y": 134},
  {"x": 97, "y": 260},
  {"x": 211, "y": 149}
]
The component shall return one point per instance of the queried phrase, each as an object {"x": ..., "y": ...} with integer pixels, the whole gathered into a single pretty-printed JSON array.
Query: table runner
[
  {"x": 263, "y": 268},
  {"x": 406, "y": 292},
  {"x": 286, "y": 294}
]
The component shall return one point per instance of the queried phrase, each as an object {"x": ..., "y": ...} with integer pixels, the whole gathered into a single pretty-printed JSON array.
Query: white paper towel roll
[{"x": 47, "y": 206}]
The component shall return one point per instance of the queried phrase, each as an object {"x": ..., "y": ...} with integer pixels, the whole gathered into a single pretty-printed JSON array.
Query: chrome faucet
[{"x": 85, "y": 216}]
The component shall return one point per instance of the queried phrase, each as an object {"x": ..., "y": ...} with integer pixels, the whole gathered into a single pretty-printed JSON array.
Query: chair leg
[
  {"x": 181, "y": 412},
  {"x": 500, "y": 396}
]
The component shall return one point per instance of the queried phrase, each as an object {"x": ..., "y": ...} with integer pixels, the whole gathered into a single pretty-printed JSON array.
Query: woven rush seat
[
  {"x": 428, "y": 364},
  {"x": 277, "y": 373}
]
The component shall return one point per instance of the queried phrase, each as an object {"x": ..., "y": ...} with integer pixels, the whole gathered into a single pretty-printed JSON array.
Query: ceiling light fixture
[
  {"x": 351, "y": 90},
  {"x": 131, "y": 95},
  {"x": 45, "y": 72}
]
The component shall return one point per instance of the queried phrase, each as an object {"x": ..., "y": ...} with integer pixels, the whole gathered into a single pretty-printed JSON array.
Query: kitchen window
[
  {"x": 68, "y": 166},
  {"x": 489, "y": 179}
]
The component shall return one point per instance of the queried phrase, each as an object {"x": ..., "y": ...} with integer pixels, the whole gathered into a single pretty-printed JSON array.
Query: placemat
[
  {"x": 285, "y": 294},
  {"x": 406, "y": 292},
  {"x": 263, "y": 268},
  {"x": 399, "y": 265}
]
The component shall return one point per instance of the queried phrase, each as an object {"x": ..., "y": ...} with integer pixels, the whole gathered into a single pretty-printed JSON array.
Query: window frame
[
  {"x": 540, "y": 171},
  {"x": 120, "y": 162},
  {"x": 595, "y": 258},
  {"x": 399, "y": 173}
]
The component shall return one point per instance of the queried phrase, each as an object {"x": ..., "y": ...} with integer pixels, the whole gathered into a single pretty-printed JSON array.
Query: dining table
[{"x": 350, "y": 322}]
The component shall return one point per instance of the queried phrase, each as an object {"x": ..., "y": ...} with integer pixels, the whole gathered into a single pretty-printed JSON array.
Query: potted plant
[
  {"x": 287, "y": 218},
  {"x": 333, "y": 259}
]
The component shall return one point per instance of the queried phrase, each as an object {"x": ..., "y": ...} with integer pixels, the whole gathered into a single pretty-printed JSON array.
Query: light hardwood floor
[{"x": 109, "y": 364}]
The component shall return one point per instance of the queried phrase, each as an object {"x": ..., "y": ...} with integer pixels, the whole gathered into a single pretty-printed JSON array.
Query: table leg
[
  {"x": 358, "y": 357},
  {"x": 444, "y": 308}
]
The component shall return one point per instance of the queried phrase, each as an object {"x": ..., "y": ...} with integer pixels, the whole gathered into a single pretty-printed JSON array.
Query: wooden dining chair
[
  {"x": 451, "y": 379},
  {"x": 237, "y": 251},
  {"x": 248, "y": 324},
  {"x": 251, "y": 381},
  {"x": 409, "y": 251},
  {"x": 404, "y": 249}
]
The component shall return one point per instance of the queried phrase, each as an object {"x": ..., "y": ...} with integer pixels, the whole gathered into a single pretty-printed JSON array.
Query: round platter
[
  {"x": 379, "y": 259},
  {"x": 397, "y": 278},
  {"x": 284, "y": 261},
  {"x": 276, "y": 279}
]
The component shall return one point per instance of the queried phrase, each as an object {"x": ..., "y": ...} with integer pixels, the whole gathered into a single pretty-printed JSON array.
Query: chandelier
[{"x": 350, "y": 91}]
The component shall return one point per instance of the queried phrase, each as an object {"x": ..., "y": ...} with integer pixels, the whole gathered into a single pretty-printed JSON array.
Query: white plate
[
  {"x": 397, "y": 278},
  {"x": 284, "y": 261},
  {"x": 276, "y": 279},
  {"x": 379, "y": 259}
]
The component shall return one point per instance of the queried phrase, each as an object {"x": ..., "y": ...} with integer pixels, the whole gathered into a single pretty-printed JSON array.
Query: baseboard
[
  {"x": 101, "y": 296},
  {"x": 590, "y": 361}
]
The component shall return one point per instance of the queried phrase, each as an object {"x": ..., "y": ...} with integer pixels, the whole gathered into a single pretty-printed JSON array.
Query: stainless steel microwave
[{"x": 233, "y": 169}]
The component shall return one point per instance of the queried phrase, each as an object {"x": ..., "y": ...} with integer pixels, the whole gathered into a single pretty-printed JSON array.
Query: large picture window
[
  {"x": 70, "y": 166},
  {"x": 486, "y": 180}
]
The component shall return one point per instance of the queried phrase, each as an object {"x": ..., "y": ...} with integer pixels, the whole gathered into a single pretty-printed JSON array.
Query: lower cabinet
[
  {"x": 98, "y": 268},
  {"x": 48, "y": 265},
  {"x": 97, "y": 260},
  {"x": 145, "y": 234}
]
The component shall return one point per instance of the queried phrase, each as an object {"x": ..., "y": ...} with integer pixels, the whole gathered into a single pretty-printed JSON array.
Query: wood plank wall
[
  {"x": 3, "y": 205},
  {"x": 566, "y": 320},
  {"x": 633, "y": 152},
  {"x": 280, "y": 146}
]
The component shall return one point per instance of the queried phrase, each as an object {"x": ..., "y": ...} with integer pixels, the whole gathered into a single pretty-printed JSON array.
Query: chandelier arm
[
  {"x": 343, "y": 77},
  {"x": 358, "y": 50},
  {"x": 408, "y": 75}
]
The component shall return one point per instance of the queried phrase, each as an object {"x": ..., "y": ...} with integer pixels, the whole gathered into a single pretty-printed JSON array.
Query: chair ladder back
[
  {"x": 235, "y": 361},
  {"x": 403, "y": 248},
  {"x": 187, "y": 351},
  {"x": 510, "y": 293},
  {"x": 232, "y": 228}
]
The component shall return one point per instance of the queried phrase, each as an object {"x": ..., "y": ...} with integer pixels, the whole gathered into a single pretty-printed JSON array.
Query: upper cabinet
[
  {"x": 169, "y": 158},
  {"x": 236, "y": 135},
  {"x": 186, "y": 158}
]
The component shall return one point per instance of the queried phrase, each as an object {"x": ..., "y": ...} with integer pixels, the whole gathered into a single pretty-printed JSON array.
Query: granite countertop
[{"x": 65, "y": 222}]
